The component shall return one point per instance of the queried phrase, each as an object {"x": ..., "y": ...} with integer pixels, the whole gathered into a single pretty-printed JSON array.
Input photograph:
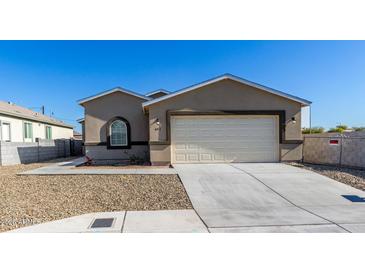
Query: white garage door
[{"x": 235, "y": 138}]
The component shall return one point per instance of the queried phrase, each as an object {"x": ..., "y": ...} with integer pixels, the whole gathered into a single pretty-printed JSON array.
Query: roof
[
  {"x": 80, "y": 120},
  {"x": 157, "y": 91},
  {"x": 117, "y": 89},
  {"x": 230, "y": 77},
  {"x": 10, "y": 109}
]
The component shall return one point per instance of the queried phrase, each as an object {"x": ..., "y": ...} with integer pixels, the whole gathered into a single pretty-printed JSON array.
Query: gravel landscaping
[
  {"x": 349, "y": 176},
  {"x": 27, "y": 200}
]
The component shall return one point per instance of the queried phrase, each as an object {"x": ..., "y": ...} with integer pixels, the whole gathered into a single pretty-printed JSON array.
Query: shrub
[
  {"x": 313, "y": 130},
  {"x": 338, "y": 128},
  {"x": 359, "y": 128}
]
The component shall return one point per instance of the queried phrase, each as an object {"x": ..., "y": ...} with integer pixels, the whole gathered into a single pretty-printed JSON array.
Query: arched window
[{"x": 118, "y": 133}]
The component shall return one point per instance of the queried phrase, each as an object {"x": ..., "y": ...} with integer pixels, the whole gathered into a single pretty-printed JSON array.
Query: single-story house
[
  {"x": 224, "y": 119},
  {"x": 19, "y": 124}
]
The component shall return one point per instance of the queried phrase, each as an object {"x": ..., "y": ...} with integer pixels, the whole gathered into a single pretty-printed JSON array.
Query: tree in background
[{"x": 338, "y": 128}]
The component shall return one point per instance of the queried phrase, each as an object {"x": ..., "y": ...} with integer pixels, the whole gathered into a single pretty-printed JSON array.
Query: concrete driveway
[{"x": 270, "y": 197}]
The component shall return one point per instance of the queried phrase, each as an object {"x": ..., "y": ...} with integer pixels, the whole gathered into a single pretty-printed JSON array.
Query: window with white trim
[
  {"x": 5, "y": 131},
  {"x": 118, "y": 133},
  {"x": 28, "y": 131},
  {"x": 48, "y": 132}
]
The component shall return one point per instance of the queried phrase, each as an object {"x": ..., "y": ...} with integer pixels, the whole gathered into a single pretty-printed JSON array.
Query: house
[
  {"x": 19, "y": 124},
  {"x": 224, "y": 119},
  {"x": 77, "y": 135}
]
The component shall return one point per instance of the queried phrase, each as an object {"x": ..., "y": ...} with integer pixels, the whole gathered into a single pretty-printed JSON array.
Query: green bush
[
  {"x": 338, "y": 128},
  {"x": 359, "y": 128},
  {"x": 313, "y": 130}
]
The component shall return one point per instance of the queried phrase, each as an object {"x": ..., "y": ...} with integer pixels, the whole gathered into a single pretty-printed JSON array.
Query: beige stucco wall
[
  {"x": 99, "y": 111},
  {"x": 39, "y": 130},
  {"x": 223, "y": 95},
  {"x": 97, "y": 114}
]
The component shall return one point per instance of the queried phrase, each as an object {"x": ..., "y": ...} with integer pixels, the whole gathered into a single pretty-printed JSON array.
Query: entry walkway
[{"x": 70, "y": 168}]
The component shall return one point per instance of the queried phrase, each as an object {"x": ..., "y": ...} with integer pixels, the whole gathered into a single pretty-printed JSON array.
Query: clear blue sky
[{"x": 331, "y": 74}]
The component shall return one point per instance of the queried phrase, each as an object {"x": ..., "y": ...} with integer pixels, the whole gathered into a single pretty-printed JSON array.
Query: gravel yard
[
  {"x": 27, "y": 200},
  {"x": 349, "y": 176}
]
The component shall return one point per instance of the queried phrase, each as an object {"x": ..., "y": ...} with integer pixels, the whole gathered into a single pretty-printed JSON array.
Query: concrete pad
[
  {"x": 81, "y": 171},
  {"x": 204, "y": 169},
  {"x": 309, "y": 188},
  {"x": 268, "y": 168},
  {"x": 274, "y": 216},
  {"x": 77, "y": 224},
  {"x": 354, "y": 228},
  {"x": 282, "y": 229},
  {"x": 341, "y": 214},
  {"x": 163, "y": 221},
  {"x": 229, "y": 191}
]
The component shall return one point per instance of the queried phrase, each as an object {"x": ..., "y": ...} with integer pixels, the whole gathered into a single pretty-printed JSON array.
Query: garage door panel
[{"x": 224, "y": 139}]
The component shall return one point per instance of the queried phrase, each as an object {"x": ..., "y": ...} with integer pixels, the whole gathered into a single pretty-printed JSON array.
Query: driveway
[{"x": 270, "y": 197}]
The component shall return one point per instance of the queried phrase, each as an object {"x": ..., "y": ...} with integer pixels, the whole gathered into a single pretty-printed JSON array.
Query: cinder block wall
[
  {"x": 12, "y": 153},
  {"x": 350, "y": 151}
]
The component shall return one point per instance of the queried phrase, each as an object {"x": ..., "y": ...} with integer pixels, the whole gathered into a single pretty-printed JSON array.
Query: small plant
[
  {"x": 135, "y": 160},
  {"x": 313, "y": 130}
]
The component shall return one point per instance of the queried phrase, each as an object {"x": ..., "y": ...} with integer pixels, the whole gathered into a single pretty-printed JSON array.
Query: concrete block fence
[
  {"x": 335, "y": 150},
  {"x": 12, "y": 153}
]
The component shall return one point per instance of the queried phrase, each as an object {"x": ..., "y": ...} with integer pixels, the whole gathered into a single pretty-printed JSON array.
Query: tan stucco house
[{"x": 225, "y": 119}]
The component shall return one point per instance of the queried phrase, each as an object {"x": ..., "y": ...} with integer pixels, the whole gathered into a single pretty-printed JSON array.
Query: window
[
  {"x": 48, "y": 132},
  {"x": 28, "y": 131},
  {"x": 5, "y": 132},
  {"x": 118, "y": 133}
]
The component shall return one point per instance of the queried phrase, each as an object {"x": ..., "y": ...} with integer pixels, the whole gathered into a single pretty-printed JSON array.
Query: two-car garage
[{"x": 224, "y": 138}]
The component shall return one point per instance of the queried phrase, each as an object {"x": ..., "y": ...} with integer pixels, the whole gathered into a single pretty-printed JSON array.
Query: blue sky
[{"x": 331, "y": 74}]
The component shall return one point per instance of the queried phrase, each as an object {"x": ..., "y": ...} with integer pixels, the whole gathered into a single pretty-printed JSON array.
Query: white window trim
[
  {"x": 26, "y": 122},
  {"x": 45, "y": 129},
  {"x": 1, "y": 129},
  {"x": 126, "y": 134}
]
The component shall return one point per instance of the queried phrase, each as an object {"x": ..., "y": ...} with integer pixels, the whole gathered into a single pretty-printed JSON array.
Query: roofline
[
  {"x": 116, "y": 89},
  {"x": 80, "y": 120},
  {"x": 34, "y": 119},
  {"x": 157, "y": 91},
  {"x": 231, "y": 77}
]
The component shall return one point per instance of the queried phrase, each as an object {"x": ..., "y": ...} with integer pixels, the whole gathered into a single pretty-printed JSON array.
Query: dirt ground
[
  {"x": 349, "y": 176},
  {"x": 27, "y": 200}
]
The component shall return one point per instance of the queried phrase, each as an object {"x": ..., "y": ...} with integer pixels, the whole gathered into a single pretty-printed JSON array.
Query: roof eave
[
  {"x": 107, "y": 92},
  {"x": 26, "y": 117},
  {"x": 302, "y": 101}
]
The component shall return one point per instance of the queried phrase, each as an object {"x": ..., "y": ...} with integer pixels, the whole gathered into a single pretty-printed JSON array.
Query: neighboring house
[
  {"x": 225, "y": 119},
  {"x": 19, "y": 124},
  {"x": 77, "y": 135}
]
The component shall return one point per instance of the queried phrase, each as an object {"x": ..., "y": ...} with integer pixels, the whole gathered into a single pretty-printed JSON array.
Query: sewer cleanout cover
[
  {"x": 354, "y": 198},
  {"x": 102, "y": 223}
]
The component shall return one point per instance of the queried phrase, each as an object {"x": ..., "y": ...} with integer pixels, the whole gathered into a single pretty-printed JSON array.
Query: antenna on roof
[{"x": 41, "y": 108}]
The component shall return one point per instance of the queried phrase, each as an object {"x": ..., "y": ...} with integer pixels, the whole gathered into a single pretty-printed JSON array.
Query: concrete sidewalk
[
  {"x": 159, "y": 221},
  {"x": 69, "y": 168}
]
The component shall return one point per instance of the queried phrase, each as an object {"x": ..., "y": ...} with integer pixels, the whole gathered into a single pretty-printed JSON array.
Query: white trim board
[
  {"x": 157, "y": 91},
  {"x": 231, "y": 77},
  {"x": 117, "y": 89}
]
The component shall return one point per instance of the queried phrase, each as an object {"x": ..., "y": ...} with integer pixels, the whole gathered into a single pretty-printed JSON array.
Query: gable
[
  {"x": 112, "y": 91},
  {"x": 226, "y": 95},
  {"x": 197, "y": 87}
]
